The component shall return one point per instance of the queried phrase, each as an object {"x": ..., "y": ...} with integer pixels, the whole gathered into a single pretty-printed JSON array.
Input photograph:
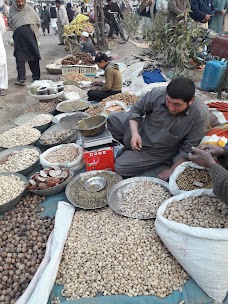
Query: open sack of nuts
[
  {"x": 65, "y": 155},
  {"x": 189, "y": 176},
  {"x": 193, "y": 226}
]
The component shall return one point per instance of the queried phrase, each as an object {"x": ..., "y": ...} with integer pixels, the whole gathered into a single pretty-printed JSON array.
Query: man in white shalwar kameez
[{"x": 3, "y": 62}]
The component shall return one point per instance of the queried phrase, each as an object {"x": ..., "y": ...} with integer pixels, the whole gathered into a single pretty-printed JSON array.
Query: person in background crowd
[
  {"x": 113, "y": 79},
  {"x": 83, "y": 8},
  {"x": 87, "y": 45},
  {"x": 202, "y": 11},
  {"x": 70, "y": 12},
  {"x": 53, "y": 17},
  {"x": 162, "y": 126},
  {"x": 112, "y": 7},
  {"x": 203, "y": 156},
  {"x": 3, "y": 62},
  {"x": 162, "y": 6},
  {"x": 6, "y": 9},
  {"x": 45, "y": 20},
  {"x": 25, "y": 24},
  {"x": 146, "y": 11},
  {"x": 175, "y": 8},
  {"x": 216, "y": 22},
  {"x": 62, "y": 20}
]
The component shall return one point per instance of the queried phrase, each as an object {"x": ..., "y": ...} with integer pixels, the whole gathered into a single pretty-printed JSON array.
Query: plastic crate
[{"x": 81, "y": 69}]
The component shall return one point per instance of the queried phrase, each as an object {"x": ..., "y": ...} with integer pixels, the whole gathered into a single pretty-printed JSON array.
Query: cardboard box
[{"x": 99, "y": 159}]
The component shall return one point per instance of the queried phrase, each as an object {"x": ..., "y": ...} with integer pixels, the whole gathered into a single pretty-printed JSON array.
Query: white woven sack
[
  {"x": 71, "y": 165},
  {"x": 173, "y": 187},
  {"x": 202, "y": 252}
]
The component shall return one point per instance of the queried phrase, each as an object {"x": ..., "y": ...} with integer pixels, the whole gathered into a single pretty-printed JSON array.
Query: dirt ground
[{"x": 17, "y": 98}]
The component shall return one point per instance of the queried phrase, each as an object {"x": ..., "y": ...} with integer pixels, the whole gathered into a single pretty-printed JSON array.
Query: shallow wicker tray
[
  {"x": 115, "y": 194},
  {"x": 53, "y": 190},
  {"x": 20, "y": 120},
  {"x": 46, "y": 97},
  {"x": 11, "y": 204},
  {"x": 6, "y": 153},
  {"x": 53, "y": 71},
  {"x": 80, "y": 177},
  {"x": 58, "y": 127}
]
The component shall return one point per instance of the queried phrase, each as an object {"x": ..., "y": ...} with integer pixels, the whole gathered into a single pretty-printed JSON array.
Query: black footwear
[
  {"x": 20, "y": 83},
  {"x": 61, "y": 44}
]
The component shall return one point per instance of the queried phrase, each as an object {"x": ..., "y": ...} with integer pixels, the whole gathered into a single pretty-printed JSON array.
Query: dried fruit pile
[
  {"x": 73, "y": 76},
  {"x": 23, "y": 238},
  {"x": 48, "y": 178},
  {"x": 127, "y": 98},
  {"x": 55, "y": 137},
  {"x": 10, "y": 187},
  {"x": 64, "y": 154},
  {"x": 142, "y": 199},
  {"x": 20, "y": 160},
  {"x": 202, "y": 211},
  {"x": 16, "y": 137},
  {"x": 193, "y": 178},
  {"x": 107, "y": 253}
]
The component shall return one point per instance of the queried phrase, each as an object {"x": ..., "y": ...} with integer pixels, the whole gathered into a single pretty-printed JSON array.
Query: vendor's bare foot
[{"x": 2, "y": 92}]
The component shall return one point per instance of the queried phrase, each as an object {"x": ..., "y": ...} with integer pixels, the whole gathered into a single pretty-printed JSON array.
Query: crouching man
[{"x": 163, "y": 125}]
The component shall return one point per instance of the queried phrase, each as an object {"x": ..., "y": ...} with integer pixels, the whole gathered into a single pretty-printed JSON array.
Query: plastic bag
[
  {"x": 202, "y": 252},
  {"x": 74, "y": 165},
  {"x": 71, "y": 96},
  {"x": 173, "y": 187}
]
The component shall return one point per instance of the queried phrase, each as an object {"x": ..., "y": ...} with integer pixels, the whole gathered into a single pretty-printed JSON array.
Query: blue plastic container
[{"x": 212, "y": 75}]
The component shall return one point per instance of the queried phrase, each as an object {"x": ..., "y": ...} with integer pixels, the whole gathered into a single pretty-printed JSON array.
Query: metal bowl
[
  {"x": 53, "y": 190},
  {"x": 11, "y": 204},
  {"x": 91, "y": 126},
  {"x": 115, "y": 194},
  {"x": 20, "y": 120},
  {"x": 59, "y": 127},
  {"x": 4, "y": 155},
  {"x": 46, "y": 97},
  {"x": 57, "y": 118},
  {"x": 95, "y": 184},
  {"x": 80, "y": 178}
]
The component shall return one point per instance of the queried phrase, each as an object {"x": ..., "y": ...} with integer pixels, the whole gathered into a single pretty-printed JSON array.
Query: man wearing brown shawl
[{"x": 25, "y": 23}]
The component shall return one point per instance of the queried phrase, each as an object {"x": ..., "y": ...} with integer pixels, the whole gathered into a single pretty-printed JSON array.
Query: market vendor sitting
[
  {"x": 113, "y": 79},
  {"x": 203, "y": 156},
  {"x": 161, "y": 126},
  {"x": 86, "y": 44}
]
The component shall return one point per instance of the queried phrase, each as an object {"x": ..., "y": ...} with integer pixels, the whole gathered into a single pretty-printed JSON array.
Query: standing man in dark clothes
[
  {"x": 202, "y": 10},
  {"x": 70, "y": 12},
  {"x": 45, "y": 20},
  {"x": 53, "y": 15},
  {"x": 25, "y": 24},
  {"x": 113, "y": 7}
]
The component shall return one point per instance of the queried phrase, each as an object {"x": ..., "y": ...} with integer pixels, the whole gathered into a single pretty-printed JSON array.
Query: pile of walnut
[
  {"x": 23, "y": 238},
  {"x": 193, "y": 178},
  {"x": 202, "y": 211},
  {"x": 48, "y": 178},
  {"x": 107, "y": 253}
]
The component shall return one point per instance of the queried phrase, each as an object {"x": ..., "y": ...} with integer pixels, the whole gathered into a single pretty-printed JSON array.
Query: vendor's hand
[
  {"x": 207, "y": 17},
  {"x": 136, "y": 142},
  {"x": 201, "y": 158},
  {"x": 223, "y": 12},
  {"x": 165, "y": 174},
  {"x": 212, "y": 149}
]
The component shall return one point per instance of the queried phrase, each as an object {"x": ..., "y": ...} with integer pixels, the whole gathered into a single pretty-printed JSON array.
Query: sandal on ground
[
  {"x": 2, "y": 92},
  {"x": 20, "y": 82}
]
